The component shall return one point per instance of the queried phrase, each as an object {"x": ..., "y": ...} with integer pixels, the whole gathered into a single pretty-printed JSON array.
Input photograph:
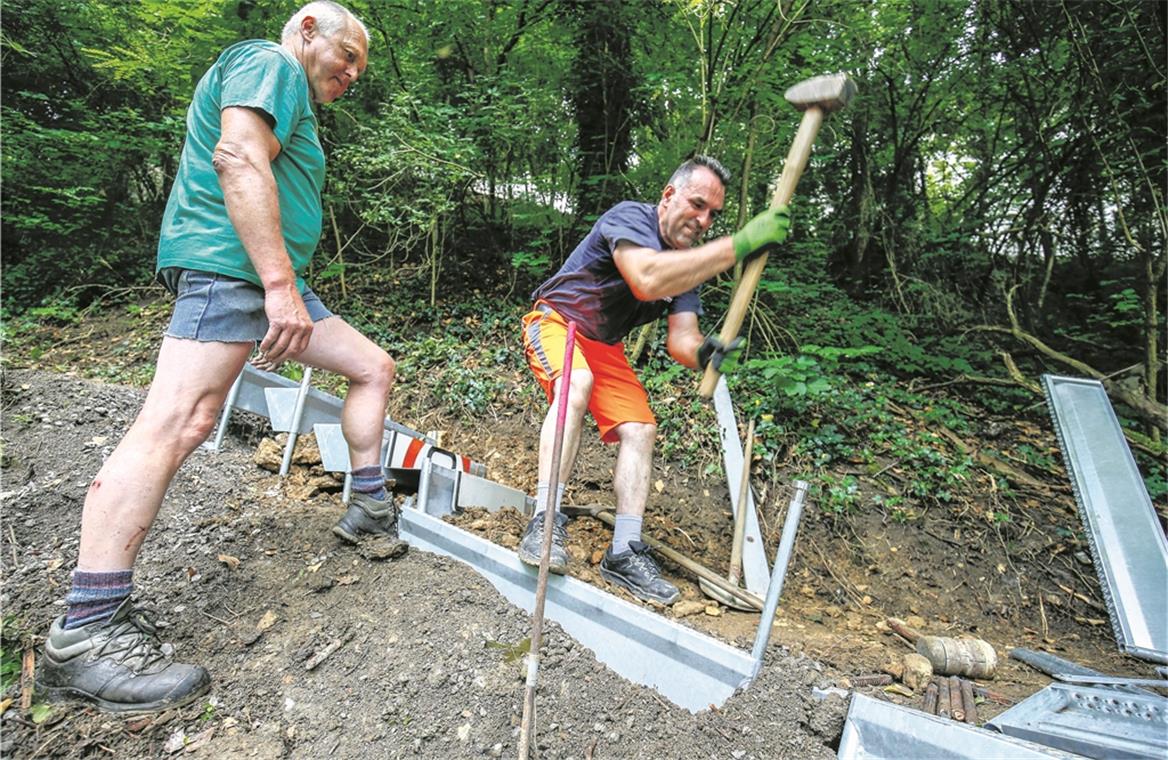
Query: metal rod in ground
[
  {"x": 297, "y": 416},
  {"x": 549, "y": 518},
  {"x": 232, "y": 397},
  {"x": 778, "y": 574},
  {"x": 968, "y": 700}
]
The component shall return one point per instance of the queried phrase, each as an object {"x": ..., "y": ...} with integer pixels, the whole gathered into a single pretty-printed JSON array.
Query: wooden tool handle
[
  {"x": 743, "y": 500},
  {"x": 797, "y": 159}
]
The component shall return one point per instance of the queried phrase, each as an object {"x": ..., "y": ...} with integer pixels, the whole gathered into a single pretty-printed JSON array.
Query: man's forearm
[{"x": 654, "y": 275}]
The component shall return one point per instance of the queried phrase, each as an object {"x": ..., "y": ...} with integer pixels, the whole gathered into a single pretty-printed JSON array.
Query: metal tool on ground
[
  {"x": 605, "y": 515},
  {"x": 814, "y": 97},
  {"x": 782, "y": 557},
  {"x": 1062, "y": 669},
  {"x": 549, "y": 521},
  {"x": 951, "y": 657},
  {"x": 739, "y": 532}
]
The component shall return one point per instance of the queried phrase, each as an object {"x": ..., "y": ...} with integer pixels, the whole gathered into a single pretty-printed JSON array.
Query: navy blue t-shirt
[{"x": 590, "y": 290}]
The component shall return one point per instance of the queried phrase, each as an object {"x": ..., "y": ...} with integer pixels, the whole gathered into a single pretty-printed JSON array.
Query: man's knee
[
  {"x": 642, "y": 434},
  {"x": 179, "y": 427},
  {"x": 376, "y": 370},
  {"x": 579, "y": 390}
]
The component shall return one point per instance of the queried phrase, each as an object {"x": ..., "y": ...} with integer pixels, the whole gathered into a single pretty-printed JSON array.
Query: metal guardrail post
[
  {"x": 228, "y": 405},
  {"x": 297, "y": 416},
  {"x": 778, "y": 575}
]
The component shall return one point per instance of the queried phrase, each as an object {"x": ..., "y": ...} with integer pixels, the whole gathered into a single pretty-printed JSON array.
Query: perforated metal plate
[
  {"x": 1126, "y": 540},
  {"x": 1093, "y": 721}
]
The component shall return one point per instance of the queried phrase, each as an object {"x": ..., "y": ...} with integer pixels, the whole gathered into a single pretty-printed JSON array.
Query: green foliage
[{"x": 12, "y": 645}]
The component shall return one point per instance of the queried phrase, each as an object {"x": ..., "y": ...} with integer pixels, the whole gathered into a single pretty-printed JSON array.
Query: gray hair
[
  {"x": 330, "y": 18},
  {"x": 683, "y": 172}
]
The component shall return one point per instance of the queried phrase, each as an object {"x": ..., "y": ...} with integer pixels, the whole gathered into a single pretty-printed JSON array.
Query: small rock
[
  {"x": 713, "y": 610},
  {"x": 464, "y": 732},
  {"x": 687, "y": 607},
  {"x": 738, "y": 754},
  {"x": 831, "y": 691},
  {"x": 917, "y": 671},
  {"x": 383, "y": 548}
]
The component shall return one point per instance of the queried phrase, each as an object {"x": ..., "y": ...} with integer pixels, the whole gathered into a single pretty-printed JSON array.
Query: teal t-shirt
[{"x": 196, "y": 232}]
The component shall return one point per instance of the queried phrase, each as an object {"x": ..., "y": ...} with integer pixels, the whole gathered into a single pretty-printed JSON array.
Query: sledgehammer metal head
[
  {"x": 814, "y": 97},
  {"x": 830, "y": 92}
]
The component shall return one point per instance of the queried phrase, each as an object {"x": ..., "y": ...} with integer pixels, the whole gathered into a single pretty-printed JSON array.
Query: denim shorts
[{"x": 216, "y": 308}]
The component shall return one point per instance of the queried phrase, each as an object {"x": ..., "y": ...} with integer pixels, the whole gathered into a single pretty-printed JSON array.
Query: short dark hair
[{"x": 682, "y": 174}]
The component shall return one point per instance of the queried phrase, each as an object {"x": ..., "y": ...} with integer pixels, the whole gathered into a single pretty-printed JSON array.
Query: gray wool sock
[{"x": 627, "y": 528}]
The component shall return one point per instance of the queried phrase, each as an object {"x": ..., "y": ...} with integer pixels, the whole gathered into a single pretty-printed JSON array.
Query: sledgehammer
[{"x": 814, "y": 97}]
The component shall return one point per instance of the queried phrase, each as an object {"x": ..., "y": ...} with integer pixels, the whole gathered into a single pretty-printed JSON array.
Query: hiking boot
[
  {"x": 531, "y": 546},
  {"x": 118, "y": 664},
  {"x": 635, "y": 570},
  {"x": 366, "y": 516}
]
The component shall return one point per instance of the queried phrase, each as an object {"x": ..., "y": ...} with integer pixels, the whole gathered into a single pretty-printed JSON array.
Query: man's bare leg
[
  {"x": 99, "y": 650},
  {"x": 628, "y": 562},
  {"x": 579, "y": 393},
  {"x": 190, "y": 383},
  {"x": 531, "y": 545},
  {"x": 337, "y": 347}
]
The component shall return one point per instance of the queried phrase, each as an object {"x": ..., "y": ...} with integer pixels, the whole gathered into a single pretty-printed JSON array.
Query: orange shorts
[{"x": 617, "y": 395}]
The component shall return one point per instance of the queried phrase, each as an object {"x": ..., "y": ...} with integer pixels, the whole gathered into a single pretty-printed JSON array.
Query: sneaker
[
  {"x": 366, "y": 516},
  {"x": 531, "y": 546},
  {"x": 636, "y": 571},
  {"x": 118, "y": 664}
]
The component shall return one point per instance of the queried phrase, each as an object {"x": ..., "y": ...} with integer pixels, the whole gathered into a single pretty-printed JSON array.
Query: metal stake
[
  {"x": 297, "y": 416},
  {"x": 228, "y": 405},
  {"x": 782, "y": 557},
  {"x": 549, "y": 517}
]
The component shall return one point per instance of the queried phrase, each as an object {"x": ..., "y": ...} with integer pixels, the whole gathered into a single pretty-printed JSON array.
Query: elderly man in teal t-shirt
[{"x": 241, "y": 224}]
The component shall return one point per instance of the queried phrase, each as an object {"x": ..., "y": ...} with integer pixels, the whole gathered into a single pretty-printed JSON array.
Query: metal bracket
[
  {"x": 754, "y": 562},
  {"x": 689, "y": 668},
  {"x": 878, "y": 730},
  {"x": 1093, "y": 721}
]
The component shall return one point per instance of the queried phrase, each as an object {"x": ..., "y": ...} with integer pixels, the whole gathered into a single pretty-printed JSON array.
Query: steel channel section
[
  {"x": 1126, "y": 540},
  {"x": 1091, "y": 720},
  {"x": 690, "y": 669},
  {"x": 754, "y": 563},
  {"x": 878, "y": 730}
]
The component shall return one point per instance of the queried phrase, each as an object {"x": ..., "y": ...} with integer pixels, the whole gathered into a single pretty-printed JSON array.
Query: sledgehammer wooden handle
[{"x": 817, "y": 96}]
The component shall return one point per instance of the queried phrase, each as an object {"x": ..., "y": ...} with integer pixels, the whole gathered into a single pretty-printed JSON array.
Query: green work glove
[
  {"x": 768, "y": 228},
  {"x": 725, "y": 358}
]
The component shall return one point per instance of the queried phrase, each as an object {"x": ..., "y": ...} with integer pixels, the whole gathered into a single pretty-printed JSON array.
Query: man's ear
[
  {"x": 668, "y": 193},
  {"x": 308, "y": 27}
]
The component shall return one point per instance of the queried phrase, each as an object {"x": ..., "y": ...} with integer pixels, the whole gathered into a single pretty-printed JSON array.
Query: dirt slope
[
  {"x": 427, "y": 666},
  {"x": 254, "y": 585}
]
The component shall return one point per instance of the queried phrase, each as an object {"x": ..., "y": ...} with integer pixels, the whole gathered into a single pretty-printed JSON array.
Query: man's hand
[
  {"x": 767, "y": 229},
  {"x": 289, "y": 326},
  {"x": 725, "y": 358}
]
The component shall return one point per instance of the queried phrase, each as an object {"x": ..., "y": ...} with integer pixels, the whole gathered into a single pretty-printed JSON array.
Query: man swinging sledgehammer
[{"x": 640, "y": 261}]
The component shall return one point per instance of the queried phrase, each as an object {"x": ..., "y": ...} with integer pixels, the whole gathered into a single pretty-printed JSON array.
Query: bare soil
[{"x": 425, "y": 654}]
